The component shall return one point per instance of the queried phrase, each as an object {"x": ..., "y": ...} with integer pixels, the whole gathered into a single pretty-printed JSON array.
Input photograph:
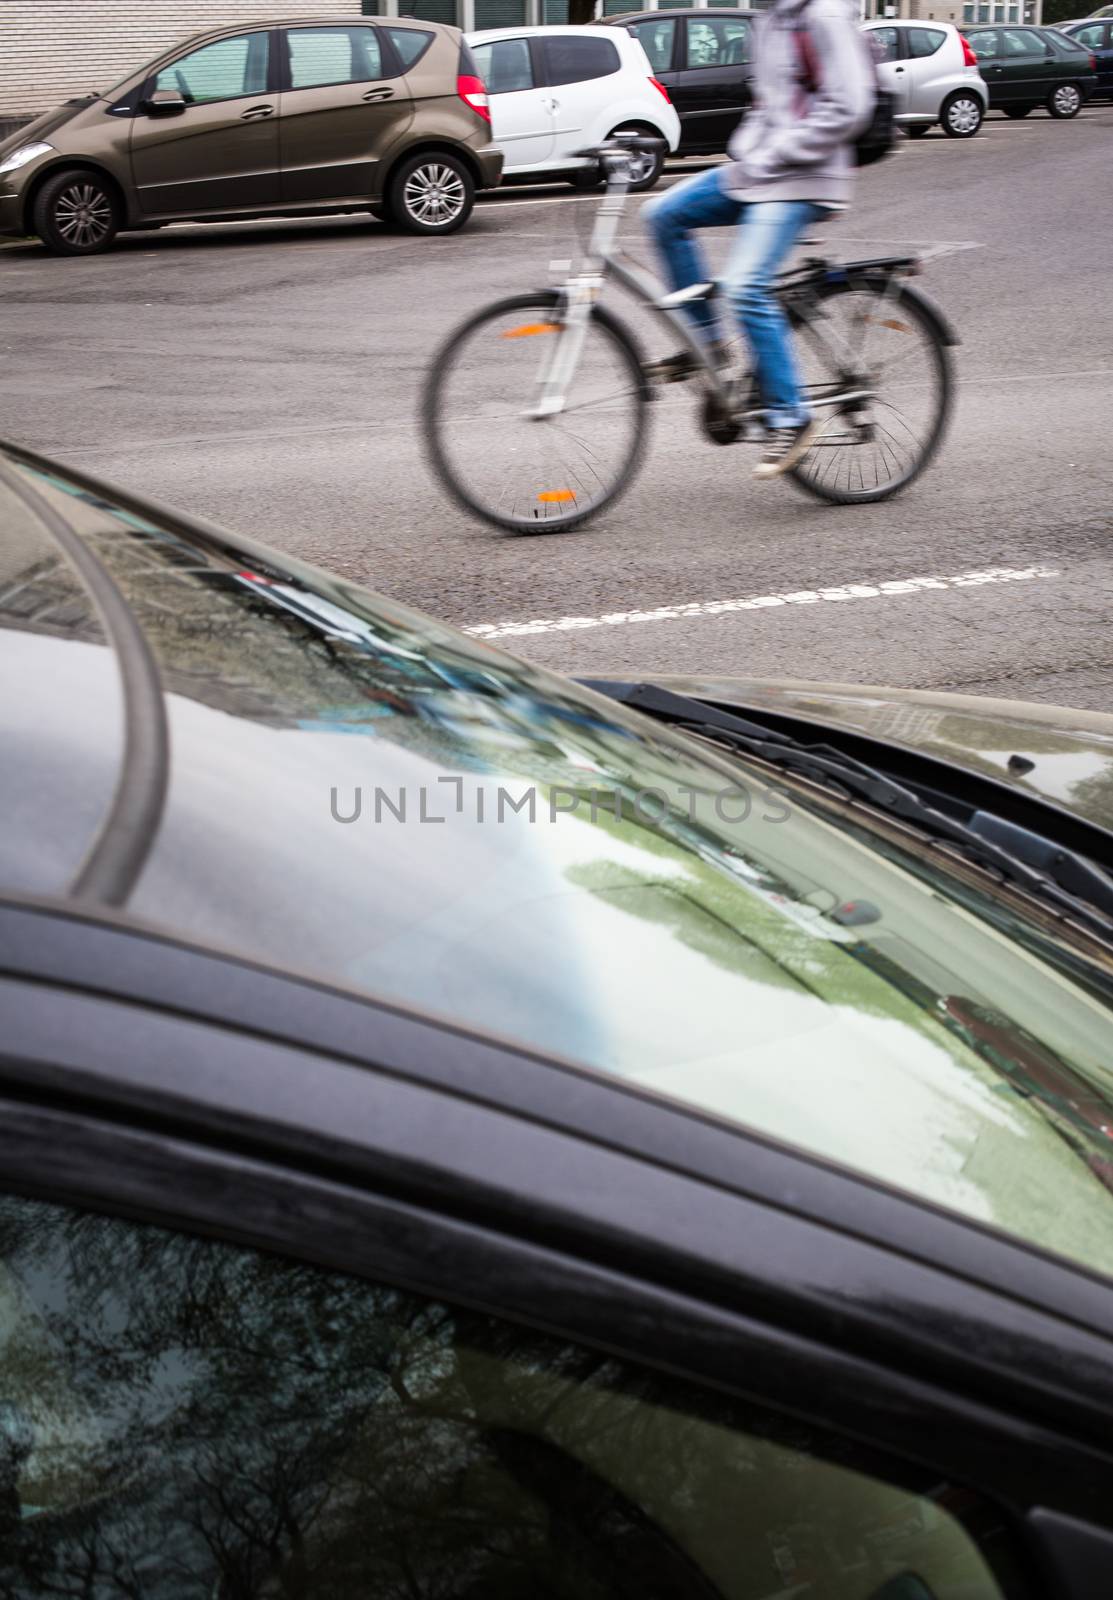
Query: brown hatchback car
[{"x": 291, "y": 118}]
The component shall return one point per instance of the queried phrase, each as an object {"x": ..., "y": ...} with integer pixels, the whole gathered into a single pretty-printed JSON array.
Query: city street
[{"x": 265, "y": 376}]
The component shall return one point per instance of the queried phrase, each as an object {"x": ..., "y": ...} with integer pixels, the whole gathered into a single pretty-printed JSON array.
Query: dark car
[
  {"x": 454, "y": 1147},
  {"x": 1097, "y": 37},
  {"x": 703, "y": 59},
  {"x": 301, "y": 118},
  {"x": 1025, "y": 68}
]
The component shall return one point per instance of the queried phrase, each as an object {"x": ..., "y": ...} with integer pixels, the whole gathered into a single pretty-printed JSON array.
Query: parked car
[
  {"x": 554, "y": 90},
  {"x": 1091, "y": 16},
  {"x": 933, "y": 75},
  {"x": 1025, "y": 68},
  {"x": 408, "y": 1192},
  {"x": 1097, "y": 38},
  {"x": 703, "y": 59},
  {"x": 302, "y": 118}
]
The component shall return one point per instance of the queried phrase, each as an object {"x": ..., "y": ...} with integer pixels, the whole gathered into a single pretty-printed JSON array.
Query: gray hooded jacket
[{"x": 796, "y": 145}]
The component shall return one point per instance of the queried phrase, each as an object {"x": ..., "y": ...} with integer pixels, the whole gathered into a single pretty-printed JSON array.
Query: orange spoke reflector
[
  {"x": 556, "y": 496},
  {"x": 889, "y": 322},
  {"x": 528, "y": 329}
]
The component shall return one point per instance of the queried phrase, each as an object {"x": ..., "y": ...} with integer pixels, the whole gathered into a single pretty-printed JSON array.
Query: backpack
[{"x": 877, "y": 138}]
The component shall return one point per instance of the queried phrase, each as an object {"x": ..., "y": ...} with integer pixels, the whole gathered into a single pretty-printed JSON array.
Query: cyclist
[{"x": 791, "y": 162}]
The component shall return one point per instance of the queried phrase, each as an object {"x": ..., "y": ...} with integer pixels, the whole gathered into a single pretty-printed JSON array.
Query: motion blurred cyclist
[{"x": 792, "y": 161}]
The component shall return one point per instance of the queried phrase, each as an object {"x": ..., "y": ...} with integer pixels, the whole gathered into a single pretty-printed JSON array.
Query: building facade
[{"x": 51, "y": 50}]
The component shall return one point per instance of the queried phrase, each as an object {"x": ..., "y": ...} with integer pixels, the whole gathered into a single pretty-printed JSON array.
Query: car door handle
[
  {"x": 898, "y": 69},
  {"x": 253, "y": 113},
  {"x": 379, "y": 94}
]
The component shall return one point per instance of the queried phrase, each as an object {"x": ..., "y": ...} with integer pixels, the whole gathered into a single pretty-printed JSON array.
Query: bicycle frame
[{"x": 583, "y": 289}]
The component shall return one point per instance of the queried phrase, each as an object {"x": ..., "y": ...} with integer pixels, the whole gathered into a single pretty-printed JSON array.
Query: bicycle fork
[{"x": 558, "y": 365}]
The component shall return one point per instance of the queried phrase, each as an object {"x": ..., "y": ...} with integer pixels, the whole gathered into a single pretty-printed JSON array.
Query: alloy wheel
[
  {"x": 83, "y": 215},
  {"x": 964, "y": 115},
  {"x": 1067, "y": 100},
  {"x": 434, "y": 194}
]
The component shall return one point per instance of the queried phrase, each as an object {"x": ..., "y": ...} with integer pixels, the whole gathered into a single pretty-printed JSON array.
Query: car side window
[
  {"x": 410, "y": 43},
  {"x": 323, "y": 56},
  {"x": 1020, "y": 42},
  {"x": 182, "y": 1417},
  {"x": 886, "y": 43},
  {"x": 717, "y": 42},
  {"x": 657, "y": 40},
  {"x": 924, "y": 41},
  {"x": 570, "y": 60},
  {"x": 226, "y": 69},
  {"x": 1089, "y": 38},
  {"x": 504, "y": 65},
  {"x": 984, "y": 45}
]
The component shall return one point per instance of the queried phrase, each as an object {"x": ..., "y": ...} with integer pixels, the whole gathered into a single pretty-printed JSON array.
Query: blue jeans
[{"x": 768, "y": 230}]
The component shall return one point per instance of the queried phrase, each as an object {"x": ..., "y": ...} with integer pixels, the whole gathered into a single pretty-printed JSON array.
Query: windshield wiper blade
[{"x": 1024, "y": 858}]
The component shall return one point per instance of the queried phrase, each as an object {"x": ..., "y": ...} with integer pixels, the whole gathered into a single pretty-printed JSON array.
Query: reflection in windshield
[{"x": 363, "y": 795}]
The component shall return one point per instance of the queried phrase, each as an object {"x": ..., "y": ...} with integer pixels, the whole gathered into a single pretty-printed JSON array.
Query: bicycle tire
[
  {"x": 632, "y": 360},
  {"x": 910, "y": 303}
]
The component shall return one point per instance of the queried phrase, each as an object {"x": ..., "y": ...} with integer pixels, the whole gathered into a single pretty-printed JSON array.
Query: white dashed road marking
[{"x": 885, "y": 590}]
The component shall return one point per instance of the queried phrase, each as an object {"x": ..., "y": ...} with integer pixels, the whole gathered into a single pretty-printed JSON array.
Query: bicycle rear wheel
[
  {"x": 872, "y": 334},
  {"x": 515, "y": 471}
]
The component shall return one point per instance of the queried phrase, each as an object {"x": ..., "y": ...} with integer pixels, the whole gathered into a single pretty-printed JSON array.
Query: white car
[
  {"x": 554, "y": 90},
  {"x": 933, "y": 75}
]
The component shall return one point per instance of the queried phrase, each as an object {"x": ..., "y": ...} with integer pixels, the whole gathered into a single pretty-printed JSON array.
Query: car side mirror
[{"x": 164, "y": 103}]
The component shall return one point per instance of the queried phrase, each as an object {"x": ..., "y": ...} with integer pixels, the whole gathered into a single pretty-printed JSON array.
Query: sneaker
[
  {"x": 784, "y": 447},
  {"x": 683, "y": 365}
]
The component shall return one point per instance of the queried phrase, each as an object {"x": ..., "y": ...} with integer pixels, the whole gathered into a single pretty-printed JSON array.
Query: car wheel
[
  {"x": 961, "y": 115},
  {"x": 916, "y": 130},
  {"x": 587, "y": 177},
  {"x": 1065, "y": 101},
  {"x": 1017, "y": 111},
  {"x": 431, "y": 193},
  {"x": 645, "y": 167},
  {"x": 76, "y": 213}
]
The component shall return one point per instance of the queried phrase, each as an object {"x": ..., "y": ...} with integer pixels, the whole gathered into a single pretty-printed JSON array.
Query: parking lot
[{"x": 265, "y": 376}]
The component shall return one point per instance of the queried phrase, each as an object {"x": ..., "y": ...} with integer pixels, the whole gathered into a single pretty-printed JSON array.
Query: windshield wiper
[{"x": 1024, "y": 858}]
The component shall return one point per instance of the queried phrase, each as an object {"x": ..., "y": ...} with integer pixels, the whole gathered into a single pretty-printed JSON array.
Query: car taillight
[
  {"x": 657, "y": 84},
  {"x": 474, "y": 92},
  {"x": 969, "y": 59}
]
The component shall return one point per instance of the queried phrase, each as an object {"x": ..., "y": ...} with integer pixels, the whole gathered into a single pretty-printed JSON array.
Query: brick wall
[{"x": 51, "y": 50}]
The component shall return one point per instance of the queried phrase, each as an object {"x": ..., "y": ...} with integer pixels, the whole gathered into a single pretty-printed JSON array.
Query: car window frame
[
  {"x": 703, "y": 16},
  {"x": 189, "y": 1174},
  {"x": 535, "y": 60},
  {"x": 540, "y": 42},
  {"x": 923, "y": 27},
  {"x": 901, "y": 43},
  {"x": 389, "y": 26},
  {"x": 676, "y": 58},
  {"x": 273, "y": 73},
  {"x": 389, "y": 58}
]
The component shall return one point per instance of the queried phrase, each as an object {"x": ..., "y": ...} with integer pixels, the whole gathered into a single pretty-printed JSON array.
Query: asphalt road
[{"x": 265, "y": 376}]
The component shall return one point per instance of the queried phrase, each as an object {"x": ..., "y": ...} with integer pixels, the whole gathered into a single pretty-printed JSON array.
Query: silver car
[{"x": 933, "y": 73}]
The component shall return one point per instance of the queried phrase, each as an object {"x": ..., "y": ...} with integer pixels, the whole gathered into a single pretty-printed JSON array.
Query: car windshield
[{"x": 365, "y": 796}]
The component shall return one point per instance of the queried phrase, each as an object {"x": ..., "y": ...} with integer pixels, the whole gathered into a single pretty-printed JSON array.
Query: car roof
[
  {"x": 550, "y": 30},
  {"x": 679, "y": 11}
]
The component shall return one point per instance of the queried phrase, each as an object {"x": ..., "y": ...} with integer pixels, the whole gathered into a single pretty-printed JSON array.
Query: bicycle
[{"x": 540, "y": 443}]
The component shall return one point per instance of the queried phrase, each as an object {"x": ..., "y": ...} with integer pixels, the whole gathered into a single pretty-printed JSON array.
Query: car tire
[
  {"x": 588, "y": 176},
  {"x": 1016, "y": 112},
  {"x": 381, "y": 212},
  {"x": 916, "y": 130},
  {"x": 960, "y": 115},
  {"x": 431, "y": 193},
  {"x": 76, "y": 213},
  {"x": 654, "y": 164},
  {"x": 1065, "y": 101}
]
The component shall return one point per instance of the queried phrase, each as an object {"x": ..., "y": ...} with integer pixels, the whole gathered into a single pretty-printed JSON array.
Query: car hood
[
  {"x": 48, "y": 123},
  {"x": 1070, "y": 752}
]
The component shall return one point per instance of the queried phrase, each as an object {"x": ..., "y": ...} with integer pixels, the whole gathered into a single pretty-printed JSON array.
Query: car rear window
[
  {"x": 924, "y": 41},
  {"x": 410, "y": 43},
  {"x": 570, "y": 60}
]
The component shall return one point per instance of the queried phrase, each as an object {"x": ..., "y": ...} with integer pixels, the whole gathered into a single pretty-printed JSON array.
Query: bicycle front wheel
[
  {"x": 869, "y": 335},
  {"x": 508, "y": 467}
]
